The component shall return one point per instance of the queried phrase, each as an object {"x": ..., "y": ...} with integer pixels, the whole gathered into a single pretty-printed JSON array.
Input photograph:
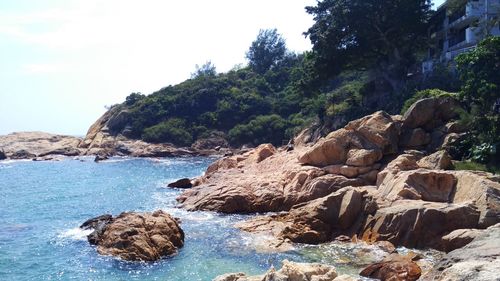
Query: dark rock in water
[
  {"x": 136, "y": 236},
  {"x": 22, "y": 154},
  {"x": 394, "y": 268},
  {"x": 99, "y": 225},
  {"x": 94, "y": 222},
  {"x": 182, "y": 183},
  {"x": 100, "y": 157},
  {"x": 2, "y": 155}
]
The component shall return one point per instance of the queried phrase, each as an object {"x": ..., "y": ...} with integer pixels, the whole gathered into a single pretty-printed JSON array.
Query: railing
[{"x": 452, "y": 54}]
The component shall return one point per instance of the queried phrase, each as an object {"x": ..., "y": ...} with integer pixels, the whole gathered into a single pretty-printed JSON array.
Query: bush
[
  {"x": 429, "y": 93},
  {"x": 474, "y": 166},
  {"x": 173, "y": 130},
  {"x": 480, "y": 94},
  {"x": 262, "y": 129}
]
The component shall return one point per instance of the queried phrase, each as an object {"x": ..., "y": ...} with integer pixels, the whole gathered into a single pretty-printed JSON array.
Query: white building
[{"x": 458, "y": 30}]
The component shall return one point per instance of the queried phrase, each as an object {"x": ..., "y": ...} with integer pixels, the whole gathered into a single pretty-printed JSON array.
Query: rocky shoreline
[
  {"x": 41, "y": 146},
  {"x": 381, "y": 180}
]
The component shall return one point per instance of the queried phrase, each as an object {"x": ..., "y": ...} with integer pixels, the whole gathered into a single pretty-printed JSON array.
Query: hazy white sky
[{"x": 62, "y": 61}]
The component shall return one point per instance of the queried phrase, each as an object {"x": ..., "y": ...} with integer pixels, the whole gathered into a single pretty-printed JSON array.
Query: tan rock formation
[
  {"x": 23, "y": 145},
  {"x": 439, "y": 160},
  {"x": 458, "y": 238},
  {"x": 479, "y": 260},
  {"x": 421, "y": 184},
  {"x": 242, "y": 184},
  {"x": 137, "y": 236},
  {"x": 320, "y": 220},
  {"x": 418, "y": 224},
  {"x": 393, "y": 268},
  {"x": 369, "y": 137},
  {"x": 290, "y": 271}
]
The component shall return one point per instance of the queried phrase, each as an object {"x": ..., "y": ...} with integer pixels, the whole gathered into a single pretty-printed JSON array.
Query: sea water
[{"x": 42, "y": 205}]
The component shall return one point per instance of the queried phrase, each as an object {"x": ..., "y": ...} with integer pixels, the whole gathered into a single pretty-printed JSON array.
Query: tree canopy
[
  {"x": 385, "y": 34},
  {"x": 266, "y": 51}
]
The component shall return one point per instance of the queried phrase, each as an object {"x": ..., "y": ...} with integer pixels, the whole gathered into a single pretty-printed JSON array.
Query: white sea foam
[
  {"x": 75, "y": 233},
  {"x": 10, "y": 161}
]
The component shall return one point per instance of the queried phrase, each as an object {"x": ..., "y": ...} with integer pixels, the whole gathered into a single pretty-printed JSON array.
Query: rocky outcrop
[
  {"x": 136, "y": 236},
  {"x": 290, "y": 271},
  {"x": 421, "y": 184},
  {"x": 320, "y": 220},
  {"x": 261, "y": 180},
  {"x": 361, "y": 143},
  {"x": 111, "y": 135},
  {"x": 394, "y": 268},
  {"x": 479, "y": 260},
  {"x": 418, "y": 224},
  {"x": 27, "y": 145}
]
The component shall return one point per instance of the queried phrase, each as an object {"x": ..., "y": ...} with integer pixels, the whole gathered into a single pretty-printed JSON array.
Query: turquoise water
[{"x": 43, "y": 203}]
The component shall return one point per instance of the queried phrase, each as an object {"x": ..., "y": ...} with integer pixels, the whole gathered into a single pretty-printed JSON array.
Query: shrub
[
  {"x": 262, "y": 129},
  {"x": 173, "y": 130},
  {"x": 429, "y": 93}
]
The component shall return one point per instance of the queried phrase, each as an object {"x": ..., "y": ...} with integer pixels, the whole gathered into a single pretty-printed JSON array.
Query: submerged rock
[
  {"x": 290, "y": 271},
  {"x": 136, "y": 236}
]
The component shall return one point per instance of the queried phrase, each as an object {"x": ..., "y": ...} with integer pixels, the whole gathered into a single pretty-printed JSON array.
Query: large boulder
[
  {"x": 369, "y": 138},
  {"x": 458, "y": 238},
  {"x": 2, "y": 155},
  {"x": 480, "y": 189},
  {"x": 418, "y": 224},
  {"x": 393, "y": 268},
  {"x": 483, "y": 189},
  {"x": 430, "y": 113},
  {"x": 421, "y": 184},
  {"x": 440, "y": 160},
  {"x": 479, "y": 260},
  {"x": 263, "y": 151},
  {"x": 290, "y": 271},
  {"x": 136, "y": 236},
  {"x": 380, "y": 129}
]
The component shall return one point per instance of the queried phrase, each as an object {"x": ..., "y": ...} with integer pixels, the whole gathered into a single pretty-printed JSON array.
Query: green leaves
[
  {"x": 368, "y": 33},
  {"x": 268, "y": 50}
]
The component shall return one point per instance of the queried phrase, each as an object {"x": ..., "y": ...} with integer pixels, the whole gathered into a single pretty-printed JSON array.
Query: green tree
[
  {"x": 266, "y": 51},
  {"x": 206, "y": 70},
  {"x": 380, "y": 34},
  {"x": 479, "y": 71}
]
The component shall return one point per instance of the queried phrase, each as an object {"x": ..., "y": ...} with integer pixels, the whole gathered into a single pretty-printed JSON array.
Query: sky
[{"x": 63, "y": 61}]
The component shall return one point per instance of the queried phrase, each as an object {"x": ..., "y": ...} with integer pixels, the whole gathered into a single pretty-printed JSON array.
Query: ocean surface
[{"x": 43, "y": 203}]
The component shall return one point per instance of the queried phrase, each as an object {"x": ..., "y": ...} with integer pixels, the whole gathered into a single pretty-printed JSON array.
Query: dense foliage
[
  {"x": 250, "y": 105},
  {"x": 384, "y": 35},
  {"x": 479, "y": 71},
  {"x": 361, "y": 62}
]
